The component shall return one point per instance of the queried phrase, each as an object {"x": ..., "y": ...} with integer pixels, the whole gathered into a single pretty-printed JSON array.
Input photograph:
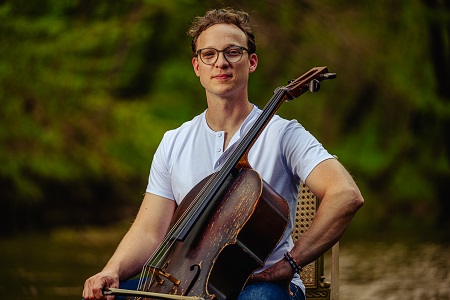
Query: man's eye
[
  {"x": 233, "y": 52},
  {"x": 207, "y": 54}
]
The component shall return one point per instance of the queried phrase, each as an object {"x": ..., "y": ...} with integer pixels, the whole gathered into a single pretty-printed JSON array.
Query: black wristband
[{"x": 294, "y": 265}]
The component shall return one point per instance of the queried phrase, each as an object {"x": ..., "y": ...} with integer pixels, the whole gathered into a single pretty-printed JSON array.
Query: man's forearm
[
  {"x": 330, "y": 222},
  {"x": 132, "y": 253}
]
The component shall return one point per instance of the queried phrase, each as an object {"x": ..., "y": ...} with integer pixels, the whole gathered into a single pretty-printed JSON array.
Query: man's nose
[{"x": 221, "y": 60}]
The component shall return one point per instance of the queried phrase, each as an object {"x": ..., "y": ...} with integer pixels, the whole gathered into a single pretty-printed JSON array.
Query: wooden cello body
[{"x": 232, "y": 239}]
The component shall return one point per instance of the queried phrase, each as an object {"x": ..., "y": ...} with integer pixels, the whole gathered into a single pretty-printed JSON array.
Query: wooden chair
[{"x": 313, "y": 277}]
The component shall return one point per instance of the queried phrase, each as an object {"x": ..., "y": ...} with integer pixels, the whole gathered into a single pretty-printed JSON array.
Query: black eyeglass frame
[{"x": 241, "y": 48}]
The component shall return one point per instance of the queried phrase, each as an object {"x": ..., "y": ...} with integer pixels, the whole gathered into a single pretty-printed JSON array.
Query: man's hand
[
  {"x": 280, "y": 272},
  {"x": 93, "y": 287}
]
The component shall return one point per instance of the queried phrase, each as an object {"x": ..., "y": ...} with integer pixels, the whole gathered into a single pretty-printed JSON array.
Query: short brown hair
[{"x": 222, "y": 16}]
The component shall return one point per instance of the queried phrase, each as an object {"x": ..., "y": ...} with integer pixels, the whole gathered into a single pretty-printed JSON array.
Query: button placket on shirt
[
  {"x": 220, "y": 155},
  {"x": 218, "y": 147}
]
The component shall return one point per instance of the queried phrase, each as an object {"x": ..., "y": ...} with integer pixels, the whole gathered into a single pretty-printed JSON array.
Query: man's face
[{"x": 222, "y": 78}]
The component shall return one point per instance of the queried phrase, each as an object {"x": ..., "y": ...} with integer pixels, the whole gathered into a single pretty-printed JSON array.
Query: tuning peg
[
  {"x": 314, "y": 85},
  {"x": 326, "y": 76}
]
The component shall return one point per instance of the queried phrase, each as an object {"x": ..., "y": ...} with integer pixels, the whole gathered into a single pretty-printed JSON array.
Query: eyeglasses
[{"x": 232, "y": 54}]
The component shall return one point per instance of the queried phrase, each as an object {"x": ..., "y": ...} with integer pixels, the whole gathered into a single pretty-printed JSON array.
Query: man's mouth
[{"x": 222, "y": 76}]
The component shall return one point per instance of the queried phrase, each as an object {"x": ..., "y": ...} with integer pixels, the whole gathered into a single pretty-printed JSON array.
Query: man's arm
[
  {"x": 143, "y": 237},
  {"x": 340, "y": 200}
]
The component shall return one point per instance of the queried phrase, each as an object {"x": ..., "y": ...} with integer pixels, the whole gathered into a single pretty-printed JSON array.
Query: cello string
[{"x": 210, "y": 186}]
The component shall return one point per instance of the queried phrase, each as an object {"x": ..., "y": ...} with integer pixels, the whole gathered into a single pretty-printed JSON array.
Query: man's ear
[
  {"x": 253, "y": 62},
  {"x": 195, "y": 65}
]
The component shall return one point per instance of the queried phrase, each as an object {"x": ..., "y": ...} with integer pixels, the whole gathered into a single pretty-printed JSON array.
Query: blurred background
[{"x": 87, "y": 89}]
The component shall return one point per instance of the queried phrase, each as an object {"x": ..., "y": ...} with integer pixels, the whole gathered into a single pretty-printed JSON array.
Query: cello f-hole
[{"x": 194, "y": 280}]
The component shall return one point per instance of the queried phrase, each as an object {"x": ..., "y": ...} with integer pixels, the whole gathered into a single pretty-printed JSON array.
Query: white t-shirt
[{"x": 284, "y": 154}]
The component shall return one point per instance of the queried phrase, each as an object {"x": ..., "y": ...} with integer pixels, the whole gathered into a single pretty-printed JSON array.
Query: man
[{"x": 224, "y": 56}]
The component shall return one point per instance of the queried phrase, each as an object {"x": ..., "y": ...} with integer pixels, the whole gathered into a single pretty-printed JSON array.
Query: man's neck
[{"x": 226, "y": 115}]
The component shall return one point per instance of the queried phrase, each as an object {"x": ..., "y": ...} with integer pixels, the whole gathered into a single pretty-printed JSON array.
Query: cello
[{"x": 218, "y": 237}]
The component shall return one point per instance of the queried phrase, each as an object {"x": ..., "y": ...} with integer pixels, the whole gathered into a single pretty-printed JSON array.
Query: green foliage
[{"x": 87, "y": 89}]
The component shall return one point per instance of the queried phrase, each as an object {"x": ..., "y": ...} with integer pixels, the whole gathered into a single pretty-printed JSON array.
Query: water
[{"x": 54, "y": 266}]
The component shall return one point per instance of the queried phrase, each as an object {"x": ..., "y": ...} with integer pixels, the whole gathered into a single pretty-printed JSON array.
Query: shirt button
[
  {"x": 218, "y": 149},
  {"x": 219, "y": 134}
]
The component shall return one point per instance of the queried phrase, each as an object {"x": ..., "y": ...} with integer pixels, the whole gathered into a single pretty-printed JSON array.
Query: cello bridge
[{"x": 157, "y": 275}]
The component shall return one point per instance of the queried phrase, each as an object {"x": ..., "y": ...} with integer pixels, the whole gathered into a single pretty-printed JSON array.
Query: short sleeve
[
  {"x": 159, "y": 181},
  {"x": 302, "y": 150}
]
